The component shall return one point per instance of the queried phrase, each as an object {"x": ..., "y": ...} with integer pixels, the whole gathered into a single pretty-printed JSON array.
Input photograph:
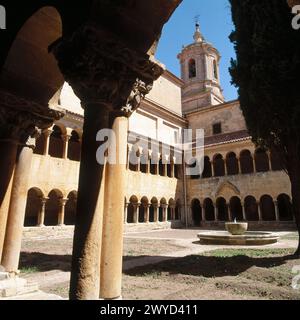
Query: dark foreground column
[
  {"x": 85, "y": 277},
  {"x": 16, "y": 215}
]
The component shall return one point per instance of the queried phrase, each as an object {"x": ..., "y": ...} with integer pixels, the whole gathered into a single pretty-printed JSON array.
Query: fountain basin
[
  {"x": 236, "y": 228},
  {"x": 249, "y": 238}
]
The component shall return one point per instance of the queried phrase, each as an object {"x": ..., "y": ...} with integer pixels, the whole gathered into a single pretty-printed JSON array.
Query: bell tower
[{"x": 200, "y": 74}]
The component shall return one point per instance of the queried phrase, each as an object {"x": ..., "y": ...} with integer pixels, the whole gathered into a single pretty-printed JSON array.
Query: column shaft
[
  {"x": 85, "y": 276},
  {"x": 113, "y": 226},
  {"x": 61, "y": 215},
  {"x": 8, "y": 152},
  {"x": 41, "y": 217},
  {"x": 17, "y": 207}
]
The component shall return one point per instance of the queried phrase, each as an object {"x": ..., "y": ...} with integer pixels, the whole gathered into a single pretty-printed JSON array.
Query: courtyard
[{"x": 169, "y": 264}]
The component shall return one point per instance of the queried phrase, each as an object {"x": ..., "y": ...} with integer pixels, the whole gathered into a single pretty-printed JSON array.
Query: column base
[{"x": 11, "y": 285}]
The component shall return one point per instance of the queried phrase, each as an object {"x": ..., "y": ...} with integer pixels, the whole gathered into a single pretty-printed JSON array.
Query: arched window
[
  {"x": 215, "y": 66},
  {"x": 153, "y": 209},
  {"x": 285, "y": 207},
  {"x": 209, "y": 209},
  {"x": 74, "y": 148},
  {"x": 142, "y": 210},
  {"x": 192, "y": 69},
  {"x": 161, "y": 167},
  {"x": 163, "y": 205},
  {"x": 194, "y": 169},
  {"x": 33, "y": 207},
  {"x": 267, "y": 208},
  {"x": 261, "y": 161},
  {"x": 232, "y": 164},
  {"x": 222, "y": 208},
  {"x": 197, "y": 212},
  {"x": 236, "y": 209},
  {"x": 207, "y": 172},
  {"x": 246, "y": 162},
  {"x": 132, "y": 207},
  {"x": 251, "y": 209},
  {"x": 56, "y": 144},
  {"x": 53, "y": 207},
  {"x": 219, "y": 165},
  {"x": 70, "y": 209}
]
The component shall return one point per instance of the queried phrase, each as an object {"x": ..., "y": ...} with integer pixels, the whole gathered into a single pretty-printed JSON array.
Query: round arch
[{"x": 33, "y": 207}]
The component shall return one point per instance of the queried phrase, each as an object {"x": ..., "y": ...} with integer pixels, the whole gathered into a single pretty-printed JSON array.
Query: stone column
[
  {"x": 16, "y": 214},
  {"x": 47, "y": 133},
  {"x": 8, "y": 152},
  {"x": 136, "y": 207},
  {"x": 230, "y": 214},
  {"x": 212, "y": 169},
  {"x": 172, "y": 164},
  {"x": 113, "y": 226},
  {"x": 147, "y": 213},
  {"x": 85, "y": 276},
  {"x": 165, "y": 213},
  {"x": 260, "y": 218},
  {"x": 41, "y": 216},
  {"x": 66, "y": 139},
  {"x": 277, "y": 215},
  {"x": 216, "y": 212},
  {"x": 61, "y": 214},
  {"x": 148, "y": 167},
  {"x": 109, "y": 76},
  {"x": 126, "y": 212},
  {"x": 156, "y": 213},
  {"x": 239, "y": 165},
  {"x": 244, "y": 212},
  {"x": 254, "y": 164}
]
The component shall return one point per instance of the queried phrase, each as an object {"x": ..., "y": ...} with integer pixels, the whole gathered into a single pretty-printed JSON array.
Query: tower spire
[{"x": 198, "y": 35}]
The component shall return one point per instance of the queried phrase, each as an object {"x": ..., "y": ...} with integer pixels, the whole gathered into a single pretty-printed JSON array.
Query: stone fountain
[{"x": 238, "y": 235}]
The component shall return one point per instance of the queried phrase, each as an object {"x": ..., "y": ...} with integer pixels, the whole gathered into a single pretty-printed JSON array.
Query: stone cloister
[{"x": 104, "y": 50}]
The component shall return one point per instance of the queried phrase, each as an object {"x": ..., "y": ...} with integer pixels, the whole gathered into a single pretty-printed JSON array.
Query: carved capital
[
  {"x": 20, "y": 118},
  {"x": 102, "y": 70}
]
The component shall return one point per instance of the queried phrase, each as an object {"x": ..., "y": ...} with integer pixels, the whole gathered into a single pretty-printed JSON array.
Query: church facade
[{"x": 238, "y": 181}]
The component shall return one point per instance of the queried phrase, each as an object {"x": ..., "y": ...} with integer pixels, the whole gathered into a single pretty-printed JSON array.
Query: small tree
[{"x": 267, "y": 74}]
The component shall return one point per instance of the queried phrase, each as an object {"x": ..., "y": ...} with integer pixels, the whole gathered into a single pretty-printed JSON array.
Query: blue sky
[{"x": 216, "y": 26}]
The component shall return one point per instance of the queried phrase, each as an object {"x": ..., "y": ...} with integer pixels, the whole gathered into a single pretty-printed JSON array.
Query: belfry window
[
  {"x": 192, "y": 69},
  {"x": 215, "y": 69}
]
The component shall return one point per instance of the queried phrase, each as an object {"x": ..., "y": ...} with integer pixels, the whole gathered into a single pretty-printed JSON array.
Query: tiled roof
[{"x": 226, "y": 138}]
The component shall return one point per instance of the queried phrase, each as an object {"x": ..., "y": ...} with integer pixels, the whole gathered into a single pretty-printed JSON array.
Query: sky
[{"x": 216, "y": 26}]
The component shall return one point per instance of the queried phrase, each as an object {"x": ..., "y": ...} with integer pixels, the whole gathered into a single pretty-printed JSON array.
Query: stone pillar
[
  {"x": 254, "y": 164},
  {"x": 148, "y": 164},
  {"x": 126, "y": 212},
  {"x": 277, "y": 215},
  {"x": 8, "y": 152},
  {"x": 41, "y": 216},
  {"x": 269, "y": 160},
  {"x": 172, "y": 164},
  {"x": 61, "y": 214},
  {"x": 260, "y": 218},
  {"x": 244, "y": 212},
  {"x": 147, "y": 213},
  {"x": 113, "y": 226},
  {"x": 16, "y": 215},
  {"x": 66, "y": 139},
  {"x": 109, "y": 76},
  {"x": 212, "y": 169},
  {"x": 136, "y": 207},
  {"x": 156, "y": 213},
  {"x": 230, "y": 214},
  {"x": 85, "y": 276},
  {"x": 47, "y": 133},
  {"x": 216, "y": 212},
  {"x": 165, "y": 213},
  {"x": 239, "y": 165}
]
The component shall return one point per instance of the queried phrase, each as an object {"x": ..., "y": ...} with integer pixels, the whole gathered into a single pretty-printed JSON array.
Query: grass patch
[
  {"x": 253, "y": 253},
  {"x": 29, "y": 270}
]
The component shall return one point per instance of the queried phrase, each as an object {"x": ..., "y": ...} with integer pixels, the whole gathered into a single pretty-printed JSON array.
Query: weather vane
[{"x": 197, "y": 19}]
